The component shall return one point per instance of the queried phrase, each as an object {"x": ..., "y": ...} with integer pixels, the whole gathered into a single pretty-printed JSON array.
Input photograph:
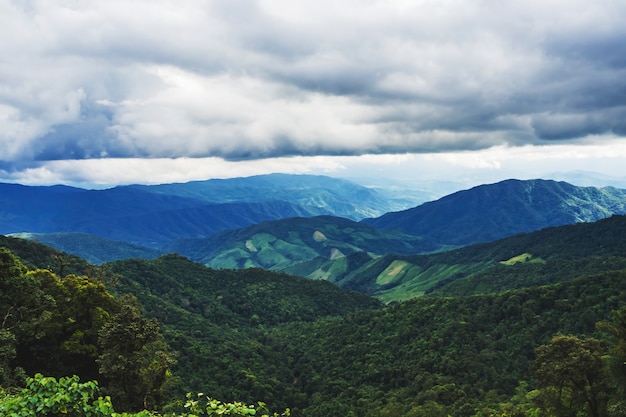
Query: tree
[
  {"x": 24, "y": 310},
  {"x": 571, "y": 377},
  {"x": 616, "y": 360},
  {"x": 135, "y": 361}
]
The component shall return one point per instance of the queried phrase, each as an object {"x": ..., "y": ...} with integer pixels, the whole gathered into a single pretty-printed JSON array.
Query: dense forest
[{"x": 149, "y": 332}]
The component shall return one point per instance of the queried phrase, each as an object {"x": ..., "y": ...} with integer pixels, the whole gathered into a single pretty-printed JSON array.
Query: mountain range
[
  {"x": 153, "y": 216},
  {"x": 493, "y": 211},
  {"x": 313, "y": 226}
]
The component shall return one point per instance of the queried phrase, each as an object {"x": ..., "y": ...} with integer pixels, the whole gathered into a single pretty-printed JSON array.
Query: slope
[
  {"x": 494, "y": 211},
  {"x": 94, "y": 249},
  {"x": 254, "y": 334},
  {"x": 335, "y": 196},
  {"x": 283, "y": 243},
  {"x": 155, "y": 215},
  {"x": 214, "y": 318},
  {"x": 546, "y": 256}
]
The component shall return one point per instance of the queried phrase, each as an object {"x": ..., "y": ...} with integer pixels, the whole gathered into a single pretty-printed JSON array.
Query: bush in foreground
[{"x": 48, "y": 397}]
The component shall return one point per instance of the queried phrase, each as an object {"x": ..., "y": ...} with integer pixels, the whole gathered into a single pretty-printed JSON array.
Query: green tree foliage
[
  {"x": 47, "y": 396},
  {"x": 616, "y": 360},
  {"x": 24, "y": 312},
  {"x": 134, "y": 361},
  {"x": 249, "y": 335},
  {"x": 207, "y": 406},
  {"x": 74, "y": 325},
  {"x": 68, "y": 397},
  {"x": 69, "y": 341},
  {"x": 570, "y": 375}
]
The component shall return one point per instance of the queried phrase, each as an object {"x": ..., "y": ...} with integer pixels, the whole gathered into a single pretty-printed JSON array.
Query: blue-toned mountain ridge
[{"x": 153, "y": 216}]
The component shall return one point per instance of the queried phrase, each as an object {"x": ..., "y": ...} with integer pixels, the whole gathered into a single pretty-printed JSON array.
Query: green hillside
[
  {"x": 94, "y": 249},
  {"x": 494, "y": 211},
  {"x": 281, "y": 244},
  {"x": 547, "y": 256},
  {"x": 154, "y": 216},
  {"x": 252, "y": 335},
  {"x": 439, "y": 356}
]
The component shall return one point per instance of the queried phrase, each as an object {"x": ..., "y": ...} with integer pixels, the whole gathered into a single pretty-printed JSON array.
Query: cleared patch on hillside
[
  {"x": 319, "y": 236},
  {"x": 330, "y": 270},
  {"x": 523, "y": 258},
  {"x": 394, "y": 272},
  {"x": 250, "y": 246}
]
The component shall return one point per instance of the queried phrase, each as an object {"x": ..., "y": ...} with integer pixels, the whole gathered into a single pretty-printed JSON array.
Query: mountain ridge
[
  {"x": 492, "y": 211},
  {"x": 154, "y": 215}
]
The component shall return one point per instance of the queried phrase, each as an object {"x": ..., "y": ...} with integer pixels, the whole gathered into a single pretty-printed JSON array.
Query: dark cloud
[{"x": 246, "y": 80}]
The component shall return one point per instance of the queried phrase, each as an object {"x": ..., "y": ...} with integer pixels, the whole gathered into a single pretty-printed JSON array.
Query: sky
[{"x": 96, "y": 93}]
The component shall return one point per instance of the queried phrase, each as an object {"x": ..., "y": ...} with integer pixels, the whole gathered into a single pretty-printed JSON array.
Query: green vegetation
[
  {"x": 548, "y": 256},
  {"x": 290, "y": 245},
  {"x": 45, "y": 396},
  {"x": 94, "y": 249},
  {"x": 494, "y": 211},
  {"x": 550, "y": 343},
  {"x": 69, "y": 325},
  {"x": 523, "y": 258}
]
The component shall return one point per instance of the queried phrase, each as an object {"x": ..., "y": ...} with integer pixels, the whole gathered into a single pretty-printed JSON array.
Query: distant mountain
[
  {"x": 283, "y": 243},
  {"x": 338, "y": 250},
  {"x": 489, "y": 212},
  {"x": 153, "y": 216},
  {"x": 328, "y": 195},
  {"x": 94, "y": 249},
  {"x": 543, "y": 257}
]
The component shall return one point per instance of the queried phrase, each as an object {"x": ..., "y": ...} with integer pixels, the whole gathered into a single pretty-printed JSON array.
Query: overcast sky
[{"x": 105, "y": 92}]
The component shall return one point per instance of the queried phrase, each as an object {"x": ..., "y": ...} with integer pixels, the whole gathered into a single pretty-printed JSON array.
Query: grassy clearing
[{"x": 523, "y": 258}]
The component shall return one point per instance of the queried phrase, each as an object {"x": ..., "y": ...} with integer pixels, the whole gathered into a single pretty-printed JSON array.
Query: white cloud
[{"x": 271, "y": 78}]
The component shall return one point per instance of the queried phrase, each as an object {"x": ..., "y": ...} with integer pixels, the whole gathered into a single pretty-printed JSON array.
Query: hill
[
  {"x": 538, "y": 258},
  {"x": 351, "y": 255},
  {"x": 94, "y": 249},
  {"x": 153, "y": 216},
  {"x": 254, "y": 334},
  {"x": 284, "y": 243},
  {"x": 494, "y": 211}
]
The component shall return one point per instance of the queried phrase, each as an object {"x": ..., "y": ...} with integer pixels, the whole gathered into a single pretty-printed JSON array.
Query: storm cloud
[{"x": 234, "y": 79}]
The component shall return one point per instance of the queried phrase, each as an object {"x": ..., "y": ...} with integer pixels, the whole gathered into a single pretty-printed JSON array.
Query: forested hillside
[
  {"x": 285, "y": 243},
  {"x": 62, "y": 325},
  {"x": 249, "y": 335},
  {"x": 493, "y": 211},
  {"x": 297, "y": 224},
  {"x": 547, "y": 256}
]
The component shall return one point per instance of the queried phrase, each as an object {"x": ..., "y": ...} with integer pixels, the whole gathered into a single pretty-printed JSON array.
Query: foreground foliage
[
  {"x": 67, "y": 396},
  {"x": 73, "y": 325}
]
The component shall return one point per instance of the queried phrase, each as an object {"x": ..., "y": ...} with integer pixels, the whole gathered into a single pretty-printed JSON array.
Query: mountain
[
  {"x": 333, "y": 196},
  {"x": 543, "y": 257},
  {"x": 169, "y": 217},
  {"x": 94, "y": 249},
  {"x": 153, "y": 216},
  {"x": 494, "y": 211},
  {"x": 283, "y": 243},
  {"x": 350, "y": 254}
]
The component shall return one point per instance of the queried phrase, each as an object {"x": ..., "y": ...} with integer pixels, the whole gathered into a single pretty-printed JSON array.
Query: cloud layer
[{"x": 241, "y": 80}]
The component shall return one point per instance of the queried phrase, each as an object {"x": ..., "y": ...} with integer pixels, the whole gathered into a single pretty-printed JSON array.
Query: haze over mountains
[
  {"x": 305, "y": 225},
  {"x": 153, "y": 216}
]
